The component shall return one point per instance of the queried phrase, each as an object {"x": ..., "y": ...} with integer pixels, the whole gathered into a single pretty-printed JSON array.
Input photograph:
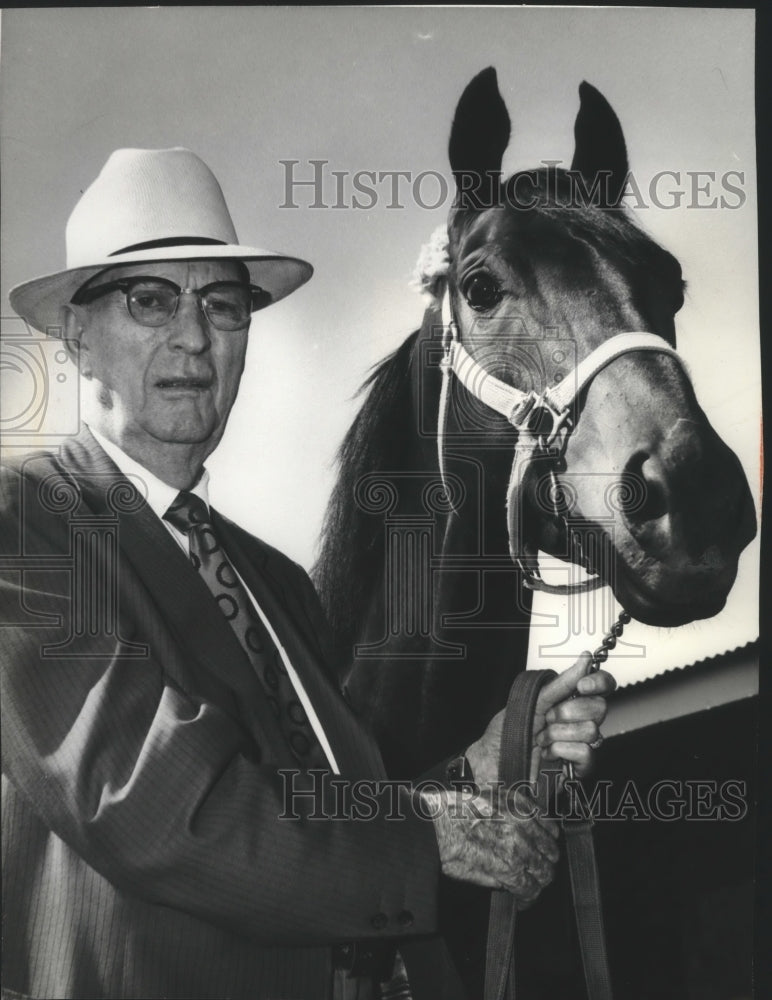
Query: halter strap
[
  {"x": 518, "y": 407},
  {"x": 513, "y": 403}
]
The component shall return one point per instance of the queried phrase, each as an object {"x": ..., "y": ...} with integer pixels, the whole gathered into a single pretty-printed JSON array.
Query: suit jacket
[{"x": 144, "y": 849}]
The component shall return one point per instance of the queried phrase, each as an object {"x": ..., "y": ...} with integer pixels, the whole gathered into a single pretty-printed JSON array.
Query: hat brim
[{"x": 40, "y": 301}]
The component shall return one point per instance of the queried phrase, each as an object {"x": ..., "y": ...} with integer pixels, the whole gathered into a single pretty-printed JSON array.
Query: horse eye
[{"x": 482, "y": 292}]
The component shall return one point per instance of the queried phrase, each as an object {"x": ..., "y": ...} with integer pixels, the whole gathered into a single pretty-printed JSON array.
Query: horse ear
[
  {"x": 478, "y": 138},
  {"x": 600, "y": 145}
]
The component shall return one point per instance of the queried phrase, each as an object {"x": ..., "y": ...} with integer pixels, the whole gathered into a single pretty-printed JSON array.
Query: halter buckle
[{"x": 533, "y": 413}]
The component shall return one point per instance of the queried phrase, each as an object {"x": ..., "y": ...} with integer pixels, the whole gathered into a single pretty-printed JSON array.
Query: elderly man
[{"x": 164, "y": 672}]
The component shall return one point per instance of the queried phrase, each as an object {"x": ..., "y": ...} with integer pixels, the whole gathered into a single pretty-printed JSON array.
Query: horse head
[
  {"x": 544, "y": 269},
  {"x": 549, "y": 339}
]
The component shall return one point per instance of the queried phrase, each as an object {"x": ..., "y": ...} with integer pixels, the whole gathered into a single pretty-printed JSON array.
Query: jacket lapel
[{"x": 180, "y": 596}]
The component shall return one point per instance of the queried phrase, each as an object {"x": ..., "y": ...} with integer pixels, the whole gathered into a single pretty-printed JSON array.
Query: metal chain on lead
[
  {"x": 600, "y": 656},
  {"x": 609, "y": 641}
]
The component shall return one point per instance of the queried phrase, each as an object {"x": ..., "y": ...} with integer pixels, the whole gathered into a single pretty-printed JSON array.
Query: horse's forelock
[{"x": 556, "y": 194}]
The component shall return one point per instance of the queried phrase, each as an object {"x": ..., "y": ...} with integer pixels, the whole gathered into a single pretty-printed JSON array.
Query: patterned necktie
[{"x": 189, "y": 514}]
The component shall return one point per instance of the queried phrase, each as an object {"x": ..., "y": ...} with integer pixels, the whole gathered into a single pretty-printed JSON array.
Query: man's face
[{"x": 173, "y": 384}]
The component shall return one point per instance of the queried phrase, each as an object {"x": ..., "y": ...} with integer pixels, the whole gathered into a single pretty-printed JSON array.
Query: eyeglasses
[{"x": 227, "y": 305}]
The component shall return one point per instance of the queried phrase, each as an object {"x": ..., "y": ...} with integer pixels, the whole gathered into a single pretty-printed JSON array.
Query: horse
[
  {"x": 419, "y": 572},
  {"x": 540, "y": 407}
]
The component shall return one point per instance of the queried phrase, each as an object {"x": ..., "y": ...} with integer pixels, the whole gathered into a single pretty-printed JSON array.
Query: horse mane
[{"x": 351, "y": 554}]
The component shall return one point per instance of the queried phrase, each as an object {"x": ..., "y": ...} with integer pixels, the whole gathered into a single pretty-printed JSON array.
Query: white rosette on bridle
[{"x": 431, "y": 270}]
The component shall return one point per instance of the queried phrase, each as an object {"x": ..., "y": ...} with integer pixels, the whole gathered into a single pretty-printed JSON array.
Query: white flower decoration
[{"x": 432, "y": 265}]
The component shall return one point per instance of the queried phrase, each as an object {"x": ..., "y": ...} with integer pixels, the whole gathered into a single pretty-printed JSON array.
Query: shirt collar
[{"x": 158, "y": 494}]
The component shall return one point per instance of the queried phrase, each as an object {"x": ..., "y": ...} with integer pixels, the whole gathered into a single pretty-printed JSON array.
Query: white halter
[{"x": 520, "y": 409}]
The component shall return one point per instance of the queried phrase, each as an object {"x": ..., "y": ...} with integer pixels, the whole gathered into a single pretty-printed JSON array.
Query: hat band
[{"x": 173, "y": 241}]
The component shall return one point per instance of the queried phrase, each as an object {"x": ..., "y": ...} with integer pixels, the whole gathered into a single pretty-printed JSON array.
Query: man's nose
[{"x": 189, "y": 328}]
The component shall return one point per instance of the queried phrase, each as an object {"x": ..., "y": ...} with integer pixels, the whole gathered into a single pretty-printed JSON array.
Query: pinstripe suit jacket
[{"x": 143, "y": 851}]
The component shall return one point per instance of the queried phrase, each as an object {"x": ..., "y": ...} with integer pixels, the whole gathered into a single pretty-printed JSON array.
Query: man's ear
[{"x": 75, "y": 339}]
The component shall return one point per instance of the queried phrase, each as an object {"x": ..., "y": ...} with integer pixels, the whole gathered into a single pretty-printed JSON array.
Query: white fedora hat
[{"x": 150, "y": 205}]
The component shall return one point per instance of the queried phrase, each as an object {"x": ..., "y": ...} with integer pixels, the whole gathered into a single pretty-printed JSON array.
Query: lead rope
[
  {"x": 583, "y": 866},
  {"x": 516, "y": 749}
]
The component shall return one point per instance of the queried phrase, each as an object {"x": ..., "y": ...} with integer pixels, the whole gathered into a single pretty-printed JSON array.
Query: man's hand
[
  {"x": 505, "y": 846},
  {"x": 568, "y": 716},
  {"x": 567, "y": 719}
]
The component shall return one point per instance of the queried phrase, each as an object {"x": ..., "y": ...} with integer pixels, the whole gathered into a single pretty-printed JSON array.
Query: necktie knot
[{"x": 186, "y": 511}]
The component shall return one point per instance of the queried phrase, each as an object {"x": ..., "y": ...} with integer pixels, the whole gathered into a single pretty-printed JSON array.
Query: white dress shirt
[{"x": 159, "y": 497}]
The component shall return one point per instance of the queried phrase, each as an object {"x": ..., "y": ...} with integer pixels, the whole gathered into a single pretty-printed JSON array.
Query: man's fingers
[
  {"x": 538, "y": 843},
  {"x": 530, "y": 871},
  {"x": 579, "y": 753},
  {"x": 575, "y": 732},
  {"x": 505, "y": 851},
  {"x": 583, "y": 709},
  {"x": 538, "y": 835},
  {"x": 524, "y": 887},
  {"x": 523, "y": 807},
  {"x": 564, "y": 684},
  {"x": 601, "y": 682},
  {"x": 542, "y": 872}
]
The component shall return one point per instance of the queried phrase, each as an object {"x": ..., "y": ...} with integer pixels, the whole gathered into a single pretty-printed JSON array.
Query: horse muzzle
[{"x": 684, "y": 514}]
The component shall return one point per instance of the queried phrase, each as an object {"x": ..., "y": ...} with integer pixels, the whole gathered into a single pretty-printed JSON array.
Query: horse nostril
[{"x": 641, "y": 494}]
